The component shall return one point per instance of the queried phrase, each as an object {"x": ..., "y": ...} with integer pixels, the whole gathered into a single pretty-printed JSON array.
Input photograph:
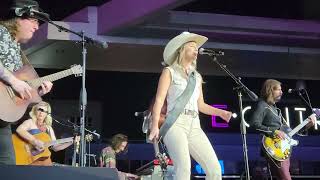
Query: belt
[{"x": 191, "y": 113}]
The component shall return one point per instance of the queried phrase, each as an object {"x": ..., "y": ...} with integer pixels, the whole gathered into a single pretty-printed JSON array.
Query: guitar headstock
[
  {"x": 89, "y": 137},
  {"x": 77, "y": 139},
  {"x": 77, "y": 143},
  {"x": 316, "y": 111},
  {"x": 76, "y": 70}
]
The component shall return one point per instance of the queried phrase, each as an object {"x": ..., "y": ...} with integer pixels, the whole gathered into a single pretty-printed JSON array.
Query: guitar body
[
  {"x": 12, "y": 106},
  {"x": 163, "y": 112},
  {"x": 279, "y": 149},
  {"x": 147, "y": 122},
  {"x": 26, "y": 154}
]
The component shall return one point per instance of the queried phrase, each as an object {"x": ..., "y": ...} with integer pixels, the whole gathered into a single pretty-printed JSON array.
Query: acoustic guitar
[
  {"x": 12, "y": 106},
  {"x": 27, "y": 153}
]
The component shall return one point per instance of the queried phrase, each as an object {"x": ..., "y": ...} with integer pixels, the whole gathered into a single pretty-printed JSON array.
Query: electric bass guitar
[
  {"x": 12, "y": 105},
  {"x": 280, "y": 149},
  {"x": 27, "y": 153}
]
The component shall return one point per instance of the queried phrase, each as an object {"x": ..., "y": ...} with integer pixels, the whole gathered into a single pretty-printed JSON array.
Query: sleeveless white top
[{"x": 178, "y": 85}]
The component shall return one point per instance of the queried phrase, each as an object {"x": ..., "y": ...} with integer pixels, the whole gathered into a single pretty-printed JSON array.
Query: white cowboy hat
[{"x": 171, "y": 50}]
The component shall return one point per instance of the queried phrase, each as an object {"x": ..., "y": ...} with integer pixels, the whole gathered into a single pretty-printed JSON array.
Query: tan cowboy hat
[{"x": 172, "y": 48}]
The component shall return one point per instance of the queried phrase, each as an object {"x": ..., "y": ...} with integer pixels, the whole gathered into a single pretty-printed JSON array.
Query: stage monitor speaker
[{"x": 57, "y": 173}]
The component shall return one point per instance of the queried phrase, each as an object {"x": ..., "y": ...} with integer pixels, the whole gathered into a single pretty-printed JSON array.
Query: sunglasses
[{"x": 42, "y": 110}]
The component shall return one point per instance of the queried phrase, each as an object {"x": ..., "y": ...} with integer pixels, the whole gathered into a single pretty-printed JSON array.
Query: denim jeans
[
  {"x": 186, "y": 138},
  {"x": 7, "y": 155}
]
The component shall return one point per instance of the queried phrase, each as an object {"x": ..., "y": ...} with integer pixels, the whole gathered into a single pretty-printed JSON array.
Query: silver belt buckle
[{"x": 191, "y": 113}]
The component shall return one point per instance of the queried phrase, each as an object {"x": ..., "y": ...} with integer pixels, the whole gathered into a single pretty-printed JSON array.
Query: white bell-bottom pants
[{"x": 186, "y": 138}]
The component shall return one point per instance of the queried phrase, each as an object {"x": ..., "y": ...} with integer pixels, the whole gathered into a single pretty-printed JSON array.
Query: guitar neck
[
  {"x": 59, "y": 141},
  {"x": 159, "y": 156},
  {"x": 156, "y": 148},
  {"x": 300, "y": 126},
  {"x": 35, "y": 83}
]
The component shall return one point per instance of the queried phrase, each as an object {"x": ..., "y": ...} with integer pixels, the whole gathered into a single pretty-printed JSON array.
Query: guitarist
[
  {"x": 40, "y": 122},
  {"x": 16, "y": 28},
  {"x": 267, "y": 119}
]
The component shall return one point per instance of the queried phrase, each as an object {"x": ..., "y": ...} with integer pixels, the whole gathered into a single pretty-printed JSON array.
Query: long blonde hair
[
  {"x": 32, "y": 113},
  {"x": 180, "y": 56}
]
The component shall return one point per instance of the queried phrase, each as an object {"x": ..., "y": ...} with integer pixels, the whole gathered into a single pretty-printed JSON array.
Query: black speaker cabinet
[{"x": 56, "y": 173}]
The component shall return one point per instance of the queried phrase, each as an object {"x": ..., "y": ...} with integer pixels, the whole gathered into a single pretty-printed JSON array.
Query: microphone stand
[
  {"x": 75, "y": 126},
  {"x": 83, "y": 102},
  {"x": 308, "y": 103},
  {"x": 83, "y": 93},
  {"x": 75, "y": 148},
  {"x": 239, "y": 88},
  {"x": 75, "y": 130}
]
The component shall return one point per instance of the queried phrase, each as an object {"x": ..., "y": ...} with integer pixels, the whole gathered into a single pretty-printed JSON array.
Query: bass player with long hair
[{"x": 267, "y": 119}]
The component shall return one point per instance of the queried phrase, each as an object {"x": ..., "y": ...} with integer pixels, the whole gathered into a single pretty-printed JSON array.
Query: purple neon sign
[{"x": 214, "y": 122}]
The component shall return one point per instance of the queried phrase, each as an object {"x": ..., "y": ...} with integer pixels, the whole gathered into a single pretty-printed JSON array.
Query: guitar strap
[
  {"x": 275, "y": 162},
  {"x": 26, "y": 62},
  {"x": 24, "y": 58},
  {"x": 182, "y": 100}
]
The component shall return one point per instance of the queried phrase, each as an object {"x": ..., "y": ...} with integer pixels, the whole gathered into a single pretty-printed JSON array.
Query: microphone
[
  {"x": 97, "y": 43},
  {"x": 143, "y": 113},
  {"x": 300, "y": 90},
  {"x": 210, "y": 52},
  {"x": 95, "y": 133},
  {"x": 21, "y": 11},
  {"x": 252, "y": 95},
  {"x": 30, "y": 11},
  {"x": 39, "y": 15}
]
